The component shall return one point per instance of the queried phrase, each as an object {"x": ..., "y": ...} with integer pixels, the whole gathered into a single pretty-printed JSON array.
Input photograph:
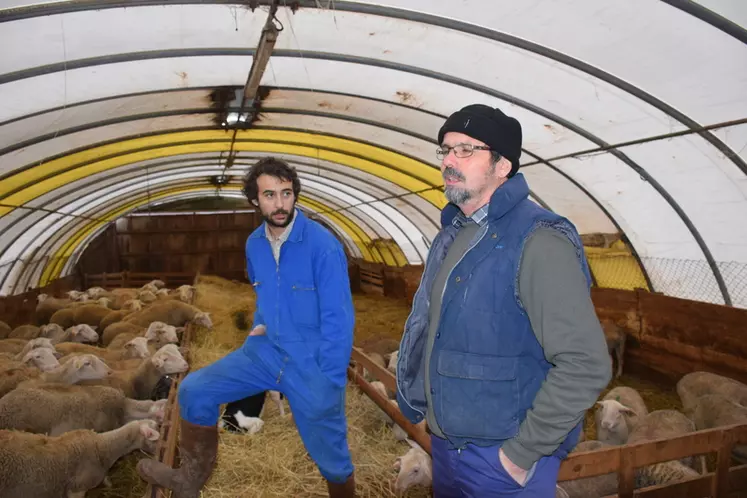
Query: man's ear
[{"x": 255, "y": 202}]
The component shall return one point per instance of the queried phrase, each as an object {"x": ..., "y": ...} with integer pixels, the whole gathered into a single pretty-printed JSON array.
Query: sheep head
[
  {"x": 203, "y": 320},
  {"x": 51, "y": 330},
  {"x": 84, "y": 333},
  {"x": 414, "y": 469},
  {"x": 169, "y": 360},
  {"x": 90, "y": 367},
  {"x": 137, "y": 348},
  {"x": 42, "y": 358},
  {"x": 146, "y": 296},
  {"x": 41, "y": 298},
  {"x": 132, "y": 305}
]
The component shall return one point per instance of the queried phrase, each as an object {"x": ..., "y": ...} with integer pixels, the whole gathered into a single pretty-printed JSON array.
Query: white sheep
[
  {"x": 251, "y": 425},
  {"x": 603, "y": 485},
  {"x": 139, "y": 383},
  {"x": 414, "y": 468},
  {"x": 157, "y": 333},
  {"x": 392, "y": 365},
  {"x": 4, "y": 329},
  {"x": 174, "y": 313},
  {"x": 662, "y": 424},
  {"x": 69, "y": 465},
  {"x": 96, "y": 292},
  {"x": 619, "y": 412},
  {"x": 716, "y": 410},
  {"x": 17, "y": 348},
  {"x": 693, "y": 385},
  {"x": 77, "y": 334},
  {"x": 86, "y": 367},
  {"x": 56, "y": 408},
  {"x": 136, "y": 348}
]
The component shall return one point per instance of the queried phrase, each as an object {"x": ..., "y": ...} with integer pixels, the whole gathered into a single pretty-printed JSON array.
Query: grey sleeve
[{"x": 553, "y": 290}]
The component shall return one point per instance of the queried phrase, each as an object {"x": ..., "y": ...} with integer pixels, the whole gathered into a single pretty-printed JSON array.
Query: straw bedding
[{"x": 273, "y": 462}]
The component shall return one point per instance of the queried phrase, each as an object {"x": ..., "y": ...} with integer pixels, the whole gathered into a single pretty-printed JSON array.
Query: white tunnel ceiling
[{"x": 387, "y": 74}]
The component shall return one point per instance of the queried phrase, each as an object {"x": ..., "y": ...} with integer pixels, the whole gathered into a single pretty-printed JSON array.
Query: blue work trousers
[
  {"x": 318, "y": 405},
  {"x": 477, "y": 472}
]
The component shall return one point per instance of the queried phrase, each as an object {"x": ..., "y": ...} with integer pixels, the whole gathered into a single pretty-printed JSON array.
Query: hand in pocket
[{"x": 517, "y": 473}]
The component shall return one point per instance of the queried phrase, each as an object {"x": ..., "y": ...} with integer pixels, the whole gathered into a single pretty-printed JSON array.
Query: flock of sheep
[
  {"x": 621, "y": 417},
  {"x": 81, "y": 387}
]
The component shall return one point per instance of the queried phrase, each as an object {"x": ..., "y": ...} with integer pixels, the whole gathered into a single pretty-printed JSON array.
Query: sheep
[
  {"x": 88, "y": 367},
  {"x": 114, "y": 317},
  {"x": 174, "y": 313},
  {"x": 621, "y": 409},
  {"x": 77, "y": 334},
  {"x": 662, "y": 424},
  {"x": 17, "y": 346},
  {"x": 716, "y": 410},
  {"x": 139, "y": 383},
  {"x": 70, "y": 407},
  {"x": 64, "y": 317},
  {"x": 113, "y": 330},
  {"x": 42, "y": 358},
  {"x": 46, "y": 306},
  {"x": 83, "y": 368},
  {"x": 157, "y": 333},
  {"x": 96, "y": 292},
  {"x": 4, "y": 329},
  {"x": 135, "y": 349},
  {"x": 693, "y": 385},
  {"x": 615, "y": 336},
  {"x": 392, "y": 364},
  {"x": 147, "y": 296},
  {"x": 377, "y": 359},
  {"x": 101, "y": 301},
  {"x": 90, "y": 314},
  {"x": 413, "y": 469},
  {"x": 664, "y": 473},
  {"x": 603, "y": 485},
  {"x": 69, "y": 465},
  {"x": 76, "y": 295},
  {"x": 25, "y": 332}
]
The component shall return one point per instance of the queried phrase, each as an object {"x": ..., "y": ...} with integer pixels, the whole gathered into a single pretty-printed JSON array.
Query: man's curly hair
[{"x": 273, "y": 167}]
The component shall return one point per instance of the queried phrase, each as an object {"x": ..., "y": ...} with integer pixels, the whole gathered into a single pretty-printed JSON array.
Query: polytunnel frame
[
  {"x": 207, "y": 170},
  {"x": 325, "y": 114},
  {"x": 692, "y": 9},
  {"x": 642, "y": 172}
]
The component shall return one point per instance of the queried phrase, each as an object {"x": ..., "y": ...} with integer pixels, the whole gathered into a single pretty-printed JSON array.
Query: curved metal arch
[
  {"x": 265, "y": 110},
  {"x": 447, "y": 78},
  {"x": 479, "y": 31},
  {"x": 162, "y": 172}
]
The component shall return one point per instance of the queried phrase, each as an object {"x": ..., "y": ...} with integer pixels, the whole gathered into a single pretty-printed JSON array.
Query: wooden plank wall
[
  {"x": 667, "y": 337},
  {"x": 210, "y": 243}
]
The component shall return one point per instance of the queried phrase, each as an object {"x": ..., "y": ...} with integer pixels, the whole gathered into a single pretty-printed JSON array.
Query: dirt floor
[{"x": 273, "y": 463}]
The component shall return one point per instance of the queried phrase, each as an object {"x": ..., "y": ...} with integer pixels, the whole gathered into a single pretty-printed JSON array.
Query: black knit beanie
[{"x": 500, "y": 132}]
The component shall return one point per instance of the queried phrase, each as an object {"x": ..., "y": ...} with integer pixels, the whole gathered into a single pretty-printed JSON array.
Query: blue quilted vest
[{"x": 486, "y": 365}]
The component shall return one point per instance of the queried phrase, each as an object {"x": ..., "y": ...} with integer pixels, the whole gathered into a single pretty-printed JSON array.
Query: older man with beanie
[{"x": 503, "y": 352}]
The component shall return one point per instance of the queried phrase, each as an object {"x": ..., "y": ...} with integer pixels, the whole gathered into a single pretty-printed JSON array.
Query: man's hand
[
  {"x": 258, "y": 330},
  {"x": 517, "y": 473}
]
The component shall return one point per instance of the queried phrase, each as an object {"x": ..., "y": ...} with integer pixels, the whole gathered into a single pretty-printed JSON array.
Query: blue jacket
[
  {"x": 486, "y": 364},
  {"x": 305, "y": 301}
]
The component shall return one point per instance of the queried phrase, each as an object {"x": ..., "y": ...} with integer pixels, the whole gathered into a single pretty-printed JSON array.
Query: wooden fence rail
[{"x": 166, "y": 448}]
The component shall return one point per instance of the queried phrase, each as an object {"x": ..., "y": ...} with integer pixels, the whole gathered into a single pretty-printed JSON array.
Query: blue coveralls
[{"x": 306, "y": 305}]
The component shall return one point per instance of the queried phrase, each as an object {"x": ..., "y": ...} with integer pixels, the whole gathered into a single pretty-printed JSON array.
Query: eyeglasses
[{"x": 460, "y": 150}]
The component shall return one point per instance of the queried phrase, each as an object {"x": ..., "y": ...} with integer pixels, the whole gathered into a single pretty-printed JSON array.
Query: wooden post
[{"x": 720, "y": 482}]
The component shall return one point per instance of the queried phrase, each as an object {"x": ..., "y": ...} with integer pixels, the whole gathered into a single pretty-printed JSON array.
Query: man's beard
[
  {"x": 454, "y": 194},
  {"x": 288, "y": 219}
]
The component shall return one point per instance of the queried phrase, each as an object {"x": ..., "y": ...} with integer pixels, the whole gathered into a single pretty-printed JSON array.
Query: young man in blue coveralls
[
  {"x": 503, "y": 352},
  {"x": 300, "y": 344}
]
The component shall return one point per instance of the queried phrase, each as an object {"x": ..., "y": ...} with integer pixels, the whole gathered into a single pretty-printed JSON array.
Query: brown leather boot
[
  {"x": 342, "y": 490},
  {"x": 198, "y": 446}
]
